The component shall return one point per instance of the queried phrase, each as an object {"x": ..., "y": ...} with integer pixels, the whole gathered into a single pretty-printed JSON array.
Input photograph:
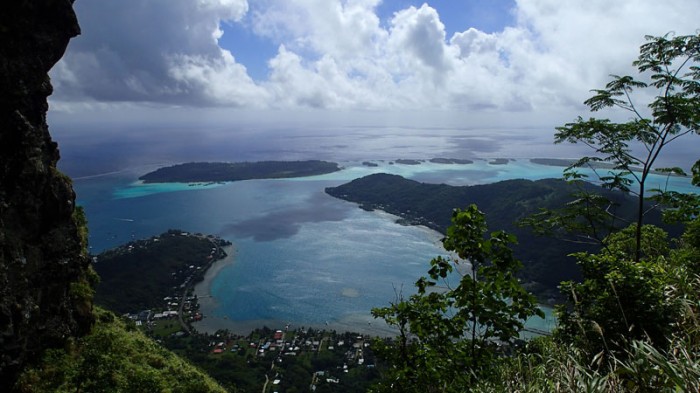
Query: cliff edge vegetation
[
  {"x": 45, "y": 275},
  {"x": 49, "y": 341}
]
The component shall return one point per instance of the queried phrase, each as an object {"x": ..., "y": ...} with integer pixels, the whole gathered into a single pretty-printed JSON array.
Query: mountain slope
[
  {"x": 45, "y": 294},
  {"x": 114, "y": 357}
]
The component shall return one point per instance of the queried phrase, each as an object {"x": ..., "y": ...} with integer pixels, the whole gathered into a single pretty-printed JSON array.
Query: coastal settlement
[{"x": 151, "y": 281}]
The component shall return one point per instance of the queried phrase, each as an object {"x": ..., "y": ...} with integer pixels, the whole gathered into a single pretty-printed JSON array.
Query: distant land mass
[
  {"x": 451, "y": 161},
  {"x": 546, "y": 261},
  {"x": 567, "y": 162},
  {"x": 197, "y": 172},
  {"x": 404, "y": 161}
]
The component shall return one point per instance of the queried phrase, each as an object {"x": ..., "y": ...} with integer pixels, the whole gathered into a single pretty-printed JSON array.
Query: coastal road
[
  {"x": 183, "y": 299},
  {"x": 184, "y": 325}
]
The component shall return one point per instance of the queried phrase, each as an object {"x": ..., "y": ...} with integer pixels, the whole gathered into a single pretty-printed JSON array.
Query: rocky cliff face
[{"x": 44, "y": 293}]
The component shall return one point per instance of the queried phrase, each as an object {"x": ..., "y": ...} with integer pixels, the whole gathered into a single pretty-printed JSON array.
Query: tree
[
  {"x": 621, "y": 299},
  {"x": 669, "y": 68},
  {"x": 448, "y": 334},
  {"x": 630, "y": 287}
]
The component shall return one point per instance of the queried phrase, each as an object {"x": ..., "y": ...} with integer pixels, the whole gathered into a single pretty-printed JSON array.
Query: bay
[{"x": 301, "y": 256}]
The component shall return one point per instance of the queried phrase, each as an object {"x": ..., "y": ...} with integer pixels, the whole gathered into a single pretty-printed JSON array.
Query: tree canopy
[
  {"x": 668, "y": 71},
  {"x": 450, "y": 333}
]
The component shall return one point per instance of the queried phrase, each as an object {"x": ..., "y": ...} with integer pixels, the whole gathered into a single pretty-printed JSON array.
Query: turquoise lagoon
[{"x": 301, "y": 256}]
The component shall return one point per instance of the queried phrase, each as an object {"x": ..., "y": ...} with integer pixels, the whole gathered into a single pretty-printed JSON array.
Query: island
[
  {"x": 567, "y": 163},
  {"x": 201, "y": 172},
  {"x": 561, "y": 162},
  {"x": 451, "y": 161},
  {"x": 546, "y": 260},
  {"x": 499, "y": 161},
  {"x": 403, "y": 161}
]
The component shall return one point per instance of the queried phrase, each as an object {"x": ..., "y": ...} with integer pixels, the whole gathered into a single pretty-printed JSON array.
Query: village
[
  {"x": 180, "y": 307},
  {"x": 282, "y": 359},
  {"x": 326, "y": 357}
]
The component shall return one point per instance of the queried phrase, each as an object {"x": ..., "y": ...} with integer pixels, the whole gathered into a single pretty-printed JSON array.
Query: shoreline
[
  {"x": 210, "y": 323},
  {"x": 361, "y": 323},
  {"x": 207, "y": 303}
]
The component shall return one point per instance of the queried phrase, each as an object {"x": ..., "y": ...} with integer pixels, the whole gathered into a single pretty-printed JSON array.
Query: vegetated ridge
[
  {"x": 235, "y": 171},
  {"x": 546, "y": 262},
  {"x": 139, "y": 274}
]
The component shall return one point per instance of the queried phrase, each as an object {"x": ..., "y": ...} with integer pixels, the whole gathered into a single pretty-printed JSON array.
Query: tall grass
[{"x": 546, "y": 365}]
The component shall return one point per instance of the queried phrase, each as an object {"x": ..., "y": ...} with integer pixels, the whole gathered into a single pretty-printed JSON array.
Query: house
[{"x": 144, "y": 315}]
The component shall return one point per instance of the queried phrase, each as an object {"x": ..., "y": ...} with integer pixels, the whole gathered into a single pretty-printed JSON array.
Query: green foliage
[
  {"x": 633, "y": 327},
  {"x": 448, "y": 333},
  {"x": 112, "y": 359},
  {"x": 151, "y": 270},
  {"x": 670, "y": 63},
  {"x": 632, "y": 324},
  {"x": 546, "y": 262},
  {"x": 81, "y": 291},
  {"x": 588, "y": 218},
  {"x": 622, "y": 300},
  {"x": 81, "y": 221}
]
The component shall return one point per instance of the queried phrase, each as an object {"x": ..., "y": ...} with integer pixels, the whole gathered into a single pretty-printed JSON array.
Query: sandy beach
[{"x": 202, "y": 289}]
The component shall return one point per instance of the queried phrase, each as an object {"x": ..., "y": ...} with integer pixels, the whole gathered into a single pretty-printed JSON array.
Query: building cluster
[{"x": 284, "y": 346}]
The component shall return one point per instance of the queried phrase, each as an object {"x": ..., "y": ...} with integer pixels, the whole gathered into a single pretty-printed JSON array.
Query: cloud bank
[{"x": 341, "y": 54}]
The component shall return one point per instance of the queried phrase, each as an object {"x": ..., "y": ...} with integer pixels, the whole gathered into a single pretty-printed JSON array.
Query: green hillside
[
  {"x": 114, "y": 357},
  {"x": 505, "y": 203}
]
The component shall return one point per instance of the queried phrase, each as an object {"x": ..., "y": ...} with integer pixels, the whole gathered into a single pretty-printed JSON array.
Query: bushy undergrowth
[
  {"x": 114, "y": 358},
  {"x": 560, "y": 364}
]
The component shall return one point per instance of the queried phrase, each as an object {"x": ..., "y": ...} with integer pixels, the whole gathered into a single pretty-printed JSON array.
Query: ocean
[{"x": 301, "y": 256}]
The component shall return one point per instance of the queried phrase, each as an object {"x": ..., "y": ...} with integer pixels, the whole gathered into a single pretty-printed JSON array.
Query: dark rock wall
[{"x": 44, "y": 295}]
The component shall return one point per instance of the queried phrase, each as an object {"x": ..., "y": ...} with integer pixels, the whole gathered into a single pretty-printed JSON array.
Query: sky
[{"x": 407, "y": 62}]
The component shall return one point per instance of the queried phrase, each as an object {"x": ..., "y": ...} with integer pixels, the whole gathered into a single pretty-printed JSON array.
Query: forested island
[
  {"x": 458, "y": 161},
  {"x": 198, "y": 172},
  {"x": 546, "y": 262}
]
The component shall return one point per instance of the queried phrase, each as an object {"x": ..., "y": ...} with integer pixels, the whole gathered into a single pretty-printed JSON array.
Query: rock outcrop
[{"x": 45, "y": 297}]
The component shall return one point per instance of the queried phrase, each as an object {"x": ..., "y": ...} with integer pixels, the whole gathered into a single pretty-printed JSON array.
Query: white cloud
[
  {"x": 219, "y": 80},
  {"x": 150, "y": 52},
  {"x": 339, "y": 54},
  {"x": 419, "y": 35}
]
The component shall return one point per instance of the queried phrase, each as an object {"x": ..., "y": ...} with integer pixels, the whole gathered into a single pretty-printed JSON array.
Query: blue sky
[
  {"x": 515, "y": 61},
  {"x": 488, "y": 16}
]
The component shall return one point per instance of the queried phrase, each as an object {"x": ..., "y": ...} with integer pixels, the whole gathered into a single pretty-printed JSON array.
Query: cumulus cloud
[
  {"x": 155, "y": 51},
  {"x": 341, "y": 54}
]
